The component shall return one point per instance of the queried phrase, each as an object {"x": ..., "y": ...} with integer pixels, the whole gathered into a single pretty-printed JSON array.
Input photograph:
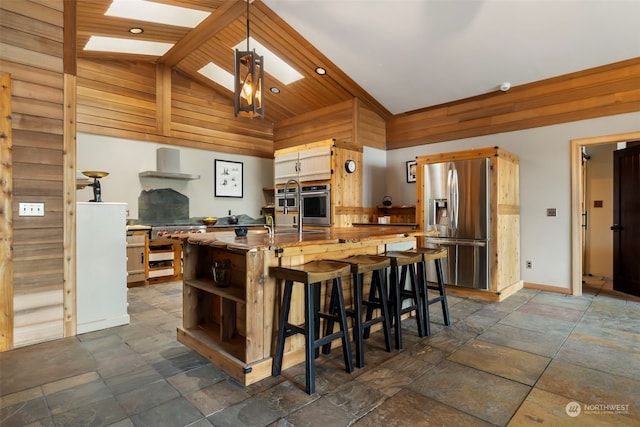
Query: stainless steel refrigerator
[{"x": 457, "y": 196}]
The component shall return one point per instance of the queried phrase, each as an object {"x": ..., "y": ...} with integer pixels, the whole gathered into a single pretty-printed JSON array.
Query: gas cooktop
[{"x": 167, "y": 230}]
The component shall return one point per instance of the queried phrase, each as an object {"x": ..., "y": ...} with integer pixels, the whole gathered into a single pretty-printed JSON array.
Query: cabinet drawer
[
  {"x": 136, "y": 239},
  {"x": 161, "y": 256}
]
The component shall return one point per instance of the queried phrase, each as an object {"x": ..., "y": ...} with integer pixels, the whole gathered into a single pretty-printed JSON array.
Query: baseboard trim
[{"x": 548, "y": 288}]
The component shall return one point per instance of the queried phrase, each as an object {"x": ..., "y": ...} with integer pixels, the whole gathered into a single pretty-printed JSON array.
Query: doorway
[
  {"x": 577, "y": 191},
  {"x": 597, "y": 217}
]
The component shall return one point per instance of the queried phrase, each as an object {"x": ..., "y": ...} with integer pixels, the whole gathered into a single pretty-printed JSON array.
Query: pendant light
[{"x": 248, "y": 79}]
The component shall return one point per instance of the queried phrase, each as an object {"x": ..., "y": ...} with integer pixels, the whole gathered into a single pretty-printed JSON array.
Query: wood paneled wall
[
  {"x": 6, "y": 215},
  {"x": 332, "y": 122},
  {"x": 351, "y": 122},
  {"x": 128, "y": 99},
  {"x": 32, "y": 51},
  {"x": 597, "y": 92},
  {"x": 369, "y": 129}
]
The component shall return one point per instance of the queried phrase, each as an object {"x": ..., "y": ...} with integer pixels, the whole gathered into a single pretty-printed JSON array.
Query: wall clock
[{"x": 350, "y": 166}]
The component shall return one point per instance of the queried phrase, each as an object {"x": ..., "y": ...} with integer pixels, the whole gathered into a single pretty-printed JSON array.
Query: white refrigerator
[{"x": 101, "y": 260}]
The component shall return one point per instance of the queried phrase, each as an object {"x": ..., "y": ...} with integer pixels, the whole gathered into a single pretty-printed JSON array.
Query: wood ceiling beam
[{"x": 224, "y": 15}]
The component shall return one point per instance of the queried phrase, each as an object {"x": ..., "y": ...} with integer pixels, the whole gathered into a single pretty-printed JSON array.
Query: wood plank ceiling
[{"x": 213, "y": 41}]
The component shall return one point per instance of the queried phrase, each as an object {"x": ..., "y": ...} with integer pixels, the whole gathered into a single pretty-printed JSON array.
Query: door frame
[{"x": 576, "y": 190}]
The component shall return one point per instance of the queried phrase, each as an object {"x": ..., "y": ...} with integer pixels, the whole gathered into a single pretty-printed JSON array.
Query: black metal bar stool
[
  {"x": 312, "y": 275},
  {"x": 436, "y": 255},
  {"x": 403, "y": 263},
  {"x": 377, "y": 299}
]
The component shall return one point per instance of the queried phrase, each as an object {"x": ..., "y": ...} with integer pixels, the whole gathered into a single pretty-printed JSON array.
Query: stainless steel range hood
[{"x": 168, "y": 166}]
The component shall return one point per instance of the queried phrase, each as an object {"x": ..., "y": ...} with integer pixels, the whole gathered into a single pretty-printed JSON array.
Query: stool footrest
[
  {"x": 372, "y": 304},
  {"x": 369, "y": 323},
  {"x": 327, "y": 339},
  {"x": 329, "y": 316},
  {"x": 293, "y": 330}
]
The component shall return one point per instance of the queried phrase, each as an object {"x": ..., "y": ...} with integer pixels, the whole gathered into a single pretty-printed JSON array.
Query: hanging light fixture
[{"x": 248, "y": 78}]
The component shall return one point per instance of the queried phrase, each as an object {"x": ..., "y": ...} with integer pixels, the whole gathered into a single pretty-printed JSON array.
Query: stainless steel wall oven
[{"x": 316, "y": 205}]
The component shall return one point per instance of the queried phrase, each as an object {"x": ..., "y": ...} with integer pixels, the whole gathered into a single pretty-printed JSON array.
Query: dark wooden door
[{"x": 626, "y": 218}]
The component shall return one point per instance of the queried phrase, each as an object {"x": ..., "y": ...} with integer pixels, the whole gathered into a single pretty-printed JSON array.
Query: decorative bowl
[
  {"x": 241, "y": 231},
  {"x": 209, "y": 221},
  {"x": 95, "y": 174}
]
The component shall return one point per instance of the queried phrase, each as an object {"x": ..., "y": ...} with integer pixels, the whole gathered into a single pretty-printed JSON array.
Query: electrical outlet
[
  {"x": 528, "y": 264},
  {"x": 31, "y": 209}
]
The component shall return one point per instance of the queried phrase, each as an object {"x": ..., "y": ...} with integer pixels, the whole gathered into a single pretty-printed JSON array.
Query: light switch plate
[
  {"x": 551, "y": 211},
  {"x": 31, "y": 209}
]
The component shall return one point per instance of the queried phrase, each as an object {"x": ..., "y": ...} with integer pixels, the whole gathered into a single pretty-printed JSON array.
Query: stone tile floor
[{"x": 521, "y": 362}]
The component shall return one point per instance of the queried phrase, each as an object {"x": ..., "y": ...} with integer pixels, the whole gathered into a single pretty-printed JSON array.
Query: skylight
[
  {"x": 140, "y": 47},
  {"x": 273, "y": 65},
  {"x": 218, "y": 75},
  {"x": 148, "y": 11}
]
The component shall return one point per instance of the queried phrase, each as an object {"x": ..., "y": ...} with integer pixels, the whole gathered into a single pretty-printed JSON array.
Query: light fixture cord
[{"x": 247, "y": 25}]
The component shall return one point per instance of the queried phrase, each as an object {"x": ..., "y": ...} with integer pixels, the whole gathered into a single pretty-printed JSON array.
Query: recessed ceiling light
[
  {"x": 274, "y": 90},
  {"x": 321, "y": 71},
  {"x": 136, "y": 30}
]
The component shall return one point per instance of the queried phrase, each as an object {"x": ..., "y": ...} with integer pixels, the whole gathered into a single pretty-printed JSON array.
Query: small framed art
[
  {"x": 411, "y": 171},
  {"x": 228, "y": 178}
]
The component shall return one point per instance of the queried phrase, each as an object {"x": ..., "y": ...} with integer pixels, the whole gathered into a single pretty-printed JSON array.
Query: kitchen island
[{"x": 233, "y": 325}]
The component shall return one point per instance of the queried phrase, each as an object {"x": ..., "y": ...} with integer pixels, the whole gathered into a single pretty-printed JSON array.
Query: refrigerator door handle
[{"x": 452, "y": 183}]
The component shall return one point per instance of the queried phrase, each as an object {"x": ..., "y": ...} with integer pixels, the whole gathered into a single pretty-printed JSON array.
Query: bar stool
[
  {"x": 377, "y": 299},
  {"x": 312, "y": 275},
  {"x": 436, "y": 255},
  {"x": 403, "y": 262}
]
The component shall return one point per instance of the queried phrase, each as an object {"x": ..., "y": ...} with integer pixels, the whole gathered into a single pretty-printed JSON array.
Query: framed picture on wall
[
  {"x": 411, "y": 171},
  {"x": 228, "y": 178}
]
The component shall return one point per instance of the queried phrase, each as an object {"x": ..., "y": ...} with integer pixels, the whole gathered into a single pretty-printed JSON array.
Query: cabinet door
[
  {"x": 136, "y": 248},
  {"x": 286, "y": 167},
  {"x": 315, "y": 164}
]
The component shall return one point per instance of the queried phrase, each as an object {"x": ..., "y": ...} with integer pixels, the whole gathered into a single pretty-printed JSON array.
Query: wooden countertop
[{"x": 260, "y": 240}]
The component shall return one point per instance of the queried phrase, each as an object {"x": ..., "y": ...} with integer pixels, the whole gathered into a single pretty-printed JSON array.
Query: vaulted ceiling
[
  {"x": 214, "y": 39},
  {"x": 396, "y": 56}
]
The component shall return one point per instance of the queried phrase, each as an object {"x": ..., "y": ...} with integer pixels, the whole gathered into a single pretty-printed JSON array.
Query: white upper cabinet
[
  {"x": 312, "y": 164},
  {"x": 286, "y": 167}
]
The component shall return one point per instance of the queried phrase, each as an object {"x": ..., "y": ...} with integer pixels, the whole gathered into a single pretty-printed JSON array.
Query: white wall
[
  {"x": 545, "y": 182},
  {"x": 125, "y": 158},
  {"x": 373, "y": 176},
  {"x": 599, "y": 237}
]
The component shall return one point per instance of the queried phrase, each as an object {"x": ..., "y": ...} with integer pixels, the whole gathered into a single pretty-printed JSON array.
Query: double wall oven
[{"x": 316, "y": 205}]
